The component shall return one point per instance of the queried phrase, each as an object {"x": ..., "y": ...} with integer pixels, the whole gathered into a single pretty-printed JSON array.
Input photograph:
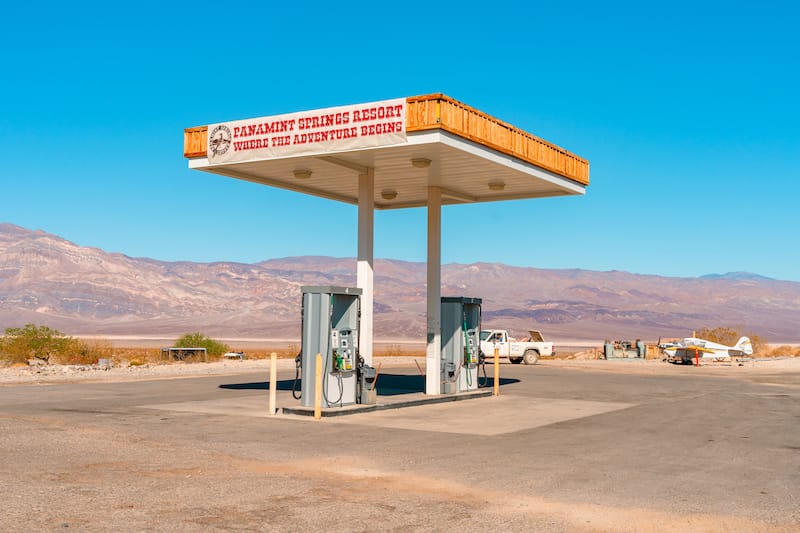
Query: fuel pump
[
  {"x": 461, "y": 325},
  {"x": 330, "y": 326}
]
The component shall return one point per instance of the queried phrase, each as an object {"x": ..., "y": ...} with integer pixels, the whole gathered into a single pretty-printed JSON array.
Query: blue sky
[{"x": 688, "y": 113}]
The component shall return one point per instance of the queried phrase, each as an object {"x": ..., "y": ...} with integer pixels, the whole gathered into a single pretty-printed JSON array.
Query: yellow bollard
[
  {"x": 273, "y": 382},
  {"x": 497, "y": 371},
  {"x": 318, "y": 389}
]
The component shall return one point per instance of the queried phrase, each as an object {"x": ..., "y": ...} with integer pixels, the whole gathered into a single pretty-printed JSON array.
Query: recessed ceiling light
[
  {"x": 388, "y": 194},
  {"x": 496, "y": 185},
  {"x": 302, "y": 174}
]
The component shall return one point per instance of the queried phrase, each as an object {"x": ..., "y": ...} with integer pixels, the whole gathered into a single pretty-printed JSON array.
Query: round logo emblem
[{"x": 220, "y": 140}]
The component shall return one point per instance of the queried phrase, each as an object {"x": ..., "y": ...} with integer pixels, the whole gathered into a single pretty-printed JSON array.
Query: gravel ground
[{"x": 73, "y": 373}]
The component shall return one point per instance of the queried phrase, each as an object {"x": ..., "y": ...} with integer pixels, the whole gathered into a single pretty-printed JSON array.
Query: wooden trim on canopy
[
  {"x": 195, "y": 142},
  {"x": 437, "y": 111}
]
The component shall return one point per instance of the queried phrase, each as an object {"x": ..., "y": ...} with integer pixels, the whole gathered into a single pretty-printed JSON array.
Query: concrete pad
[
  {"x": 481, "y": 416},
  {"x": 389, "y": 402},
  {"x": 487, "y": 416},
  {"x": 253, "y": 405}
]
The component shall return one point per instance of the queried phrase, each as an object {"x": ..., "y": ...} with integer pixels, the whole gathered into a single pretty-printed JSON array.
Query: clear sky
[{"x": 687, "y": 111}]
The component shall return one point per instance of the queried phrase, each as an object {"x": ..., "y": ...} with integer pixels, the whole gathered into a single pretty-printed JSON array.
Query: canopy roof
[{"x": 471, "y": 156}]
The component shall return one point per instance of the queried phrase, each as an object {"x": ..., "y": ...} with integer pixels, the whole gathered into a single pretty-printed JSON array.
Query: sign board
[{"x": 335, "y": 129}]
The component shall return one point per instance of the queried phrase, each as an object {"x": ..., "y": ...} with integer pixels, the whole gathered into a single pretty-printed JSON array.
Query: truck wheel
[
  {"x": 531, "y": 357},
  {"x": 515, "y": 360}
]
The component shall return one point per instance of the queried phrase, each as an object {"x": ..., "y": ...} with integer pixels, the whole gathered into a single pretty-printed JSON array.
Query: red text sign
[{"x": 336, "y": 129}]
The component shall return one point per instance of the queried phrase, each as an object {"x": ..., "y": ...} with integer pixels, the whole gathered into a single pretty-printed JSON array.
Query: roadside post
[
  {"x": 496, "y": 371},
  {"x": 273, "y": 382},
  {"x": 318, "y": 389}
]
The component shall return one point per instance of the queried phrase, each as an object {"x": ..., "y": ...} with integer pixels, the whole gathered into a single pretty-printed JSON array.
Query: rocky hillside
[{"x": 47, "y": 280}]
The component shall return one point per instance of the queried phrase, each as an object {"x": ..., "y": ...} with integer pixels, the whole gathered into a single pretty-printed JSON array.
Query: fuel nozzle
[
  {"x": 338, "y": 361},
  {"x": 298, "y": 363}
]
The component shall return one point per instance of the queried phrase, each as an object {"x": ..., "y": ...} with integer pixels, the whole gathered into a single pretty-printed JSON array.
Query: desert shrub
[
  {"x": 98, "y": 348},
  {"x": 136, "y": 356},
  {"x": 392, "y": 350},
  {"x": 292, "y": 350},
  {"x": 84, "y": 351},
  {"x": 34, "y": 342},
  {"x": 198, "y": 340},
  {"x": 729, "y": 336},
  {"x": 6, "y": 357},
  {"x": 785, "y": 351}
]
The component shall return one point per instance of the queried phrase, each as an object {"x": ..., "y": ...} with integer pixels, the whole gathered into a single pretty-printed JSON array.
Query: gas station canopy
[
  {"x": 408, "y": 152},
  {"x": 472, "y": 156}
]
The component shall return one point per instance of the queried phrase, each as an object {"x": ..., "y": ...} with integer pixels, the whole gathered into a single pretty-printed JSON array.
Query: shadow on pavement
[
  {"x": 396, "y": 384},
  {"x": 388, "y": 384},
  {"x": 284, "y": 384}
]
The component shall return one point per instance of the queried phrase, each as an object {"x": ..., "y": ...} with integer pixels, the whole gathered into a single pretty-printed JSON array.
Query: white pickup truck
[{"x": 525, "y": 351}]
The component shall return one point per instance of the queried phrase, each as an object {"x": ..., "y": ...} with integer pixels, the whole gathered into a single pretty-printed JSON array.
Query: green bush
[
  {"x": 34, "y": 342},
  {"x": 198, "y": 340}
]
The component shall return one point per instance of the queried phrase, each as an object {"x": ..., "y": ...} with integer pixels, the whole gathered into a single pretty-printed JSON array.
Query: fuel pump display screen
[{"x": 346, "y": 349}]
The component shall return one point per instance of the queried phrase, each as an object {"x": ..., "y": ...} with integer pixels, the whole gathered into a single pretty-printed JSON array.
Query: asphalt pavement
[{"x": 560, "y": 449}]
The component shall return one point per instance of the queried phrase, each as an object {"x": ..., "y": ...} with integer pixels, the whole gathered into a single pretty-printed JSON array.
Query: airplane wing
[{"x": 700, "y": 349}]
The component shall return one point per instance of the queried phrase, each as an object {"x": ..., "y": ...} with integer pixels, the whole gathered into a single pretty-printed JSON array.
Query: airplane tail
[{"x": 745, "y": 346}]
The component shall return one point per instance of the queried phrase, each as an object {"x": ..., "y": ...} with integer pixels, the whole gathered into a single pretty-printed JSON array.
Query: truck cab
[{"x": 526, "y": 351}]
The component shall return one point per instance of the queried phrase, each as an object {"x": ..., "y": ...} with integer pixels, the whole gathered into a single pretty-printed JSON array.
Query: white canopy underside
[{"x": 461, "y": 168}]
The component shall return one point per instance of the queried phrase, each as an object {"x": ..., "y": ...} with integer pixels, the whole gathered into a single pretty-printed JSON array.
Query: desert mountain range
[{"x": 45, "y": 279}]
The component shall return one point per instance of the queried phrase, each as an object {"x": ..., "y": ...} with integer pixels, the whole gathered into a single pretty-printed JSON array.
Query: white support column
[
  {"x": 364, "y": 272},
  {"x": 434, "y": 349}
]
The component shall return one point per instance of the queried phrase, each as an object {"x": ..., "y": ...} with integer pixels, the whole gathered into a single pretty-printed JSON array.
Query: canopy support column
[
  {"x": 364, "y": 272},
  {"x": 434, "y": 347}
]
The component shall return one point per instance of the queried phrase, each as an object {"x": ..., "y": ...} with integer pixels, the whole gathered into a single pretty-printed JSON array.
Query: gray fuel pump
[
  {"x": 461, "y": 330},
  {"x": 330, "y": 318}
]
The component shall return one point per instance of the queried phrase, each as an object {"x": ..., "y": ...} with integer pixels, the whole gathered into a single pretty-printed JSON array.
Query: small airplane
[{"x": 691, "y": 348}]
